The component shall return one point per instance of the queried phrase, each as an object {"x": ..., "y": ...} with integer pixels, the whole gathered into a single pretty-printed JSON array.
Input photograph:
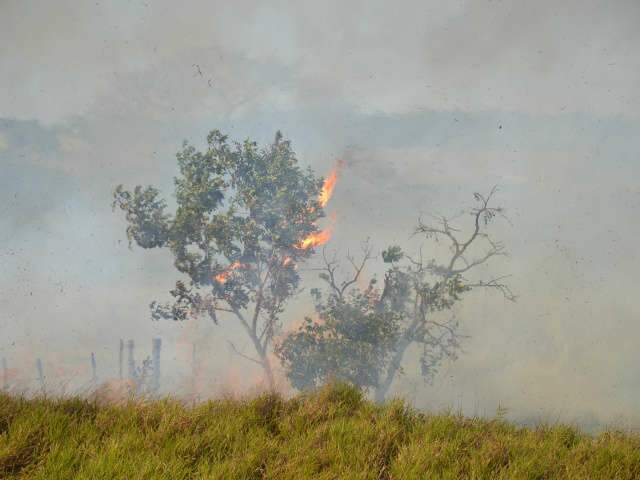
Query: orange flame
[
  {"x": 323, "y": 236},
  {"x": 327, "y": 187},
  {"x": 316, "y": 239},
  {"x": 224, "y": 276}
]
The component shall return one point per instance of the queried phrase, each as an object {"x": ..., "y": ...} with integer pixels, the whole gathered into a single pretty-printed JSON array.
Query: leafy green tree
[
  {"x": 242, "y": 212},
  {"x": 362, "y": 335},
  {"x": 351, "y": 336}
]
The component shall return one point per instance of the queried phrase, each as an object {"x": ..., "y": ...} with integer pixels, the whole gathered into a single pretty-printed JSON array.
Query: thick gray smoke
[{"x": 426, "y": 102}]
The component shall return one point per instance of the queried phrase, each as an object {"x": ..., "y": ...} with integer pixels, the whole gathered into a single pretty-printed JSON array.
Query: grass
[{"x": 333, "y": 433}]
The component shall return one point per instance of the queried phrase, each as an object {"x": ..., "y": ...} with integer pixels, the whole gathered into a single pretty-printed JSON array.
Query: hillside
[{"x": 331, "y": 434}]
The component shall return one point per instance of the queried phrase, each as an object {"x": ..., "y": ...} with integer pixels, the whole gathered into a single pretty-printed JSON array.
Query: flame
[
  {"x": 316, "y": 239},
  {"x": 323, "y": 236},
  {"x": 327, "y": 187},
  {"x": 224, "y": 276}
]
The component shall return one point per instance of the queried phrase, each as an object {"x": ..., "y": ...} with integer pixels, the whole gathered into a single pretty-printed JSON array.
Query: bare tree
[
  {"x": 442, "y": 339},
  {"x": 402, "y": 312}
]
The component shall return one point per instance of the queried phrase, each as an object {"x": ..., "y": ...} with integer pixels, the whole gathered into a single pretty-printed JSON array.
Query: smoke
[{"x": 426, "y": 103}]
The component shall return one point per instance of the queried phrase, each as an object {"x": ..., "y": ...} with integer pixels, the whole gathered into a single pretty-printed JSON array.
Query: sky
[{"x": 425, "y": 102}]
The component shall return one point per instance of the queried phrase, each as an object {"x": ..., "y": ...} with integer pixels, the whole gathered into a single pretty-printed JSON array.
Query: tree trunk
[
  {"x": 261, "y": 350},
  {"x": 264, "y": 359},
  {"x": 396, "y": 361},
  {"x": 268, "y": 373},
  {"x": 394, "y": 366}
]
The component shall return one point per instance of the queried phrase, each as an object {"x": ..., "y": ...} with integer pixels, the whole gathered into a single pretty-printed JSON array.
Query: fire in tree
[
  {"x": 327, "y": 187},
  {"x": 224, "y": 276},
  {"x": 363, "y": 335},
  {"x": 320, "y": 238},
  {"x": 245, "y": 217},
  {"x": 316, "y": 239}
]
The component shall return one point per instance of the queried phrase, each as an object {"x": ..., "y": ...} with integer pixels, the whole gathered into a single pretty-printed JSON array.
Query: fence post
[
  {"x": 94, "y": 375},
  {"x": 5, "y": 374},
  {"x": 120, "y": 358},
  {"x": 40, "y": 375},
  {"x": 155, "y": 352},
  {"x": 131, "y": 361},
  {"x": 194, "y": 372}
]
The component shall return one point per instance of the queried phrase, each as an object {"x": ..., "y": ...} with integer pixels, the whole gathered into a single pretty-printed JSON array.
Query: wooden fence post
[
  {"x": 194, "y": 371},
  {"x": 5, "y": 374},
  {"x": 130, "y": 360},
  {"x": 155, "y": 355},
  {"x": 120, "y": 358},
  {"x": 94, "y": 375},
  {"x": 40, "y": 375}
]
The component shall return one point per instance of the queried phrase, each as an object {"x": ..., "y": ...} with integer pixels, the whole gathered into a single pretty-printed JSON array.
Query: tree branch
[
  {"x": 366, "y": 250},
  {"x": 240, "y": 354},
  {"x": 481, "y": 215},
  {"x": 496, "y": 284},
  {"x": 331, "y": 265}
]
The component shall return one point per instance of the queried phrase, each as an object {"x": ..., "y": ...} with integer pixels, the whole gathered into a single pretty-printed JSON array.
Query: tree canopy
[
  {"x": 245, "y": 217},
  {"x": 362, "y": 335}
]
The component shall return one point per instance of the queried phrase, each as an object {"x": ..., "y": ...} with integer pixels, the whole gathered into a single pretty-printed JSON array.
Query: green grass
[{"x": 331, "y": 434}]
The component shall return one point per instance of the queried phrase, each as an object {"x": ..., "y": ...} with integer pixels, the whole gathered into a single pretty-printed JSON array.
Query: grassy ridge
[{"x": 331, "y": 434}]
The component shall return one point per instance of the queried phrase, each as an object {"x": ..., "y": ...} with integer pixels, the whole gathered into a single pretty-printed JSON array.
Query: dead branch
[
  {"x": 482, "y": 215},
  {"x": 240, "y": 354},
  {"x": 331, "y": 265},
  {"x": 496, "y": 283}
]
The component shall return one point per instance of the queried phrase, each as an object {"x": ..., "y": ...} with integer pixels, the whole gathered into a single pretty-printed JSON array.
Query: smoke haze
[{"x": 425, "y": 102}]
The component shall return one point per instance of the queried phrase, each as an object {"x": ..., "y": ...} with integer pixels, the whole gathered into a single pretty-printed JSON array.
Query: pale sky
[{"x": 425, "y": 101}]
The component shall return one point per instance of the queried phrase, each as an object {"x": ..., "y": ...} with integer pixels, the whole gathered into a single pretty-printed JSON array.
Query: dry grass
[{"x": 331, "y": 434}]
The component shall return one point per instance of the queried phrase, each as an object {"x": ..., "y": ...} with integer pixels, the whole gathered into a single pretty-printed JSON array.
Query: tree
[
  {"x": 362, "y": 335},
  {"x": 244, "y": 218}
]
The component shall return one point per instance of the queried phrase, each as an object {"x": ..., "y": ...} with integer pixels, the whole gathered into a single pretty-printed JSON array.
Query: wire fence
[{"x": 42, "y": 378}]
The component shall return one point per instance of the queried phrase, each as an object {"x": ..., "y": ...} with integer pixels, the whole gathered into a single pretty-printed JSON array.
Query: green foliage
[
  {"x": 238, "y": 207},
  {"x": 392, "y": 254},
  {"x": 350, "y": 337},
  {"x": 327, "y": 434},
  {"x": 148, "y": 222},
  {"x": 235, "y": 235},
  {"x": 355, "y": 335},
  {"x": 361, "y": 335}
]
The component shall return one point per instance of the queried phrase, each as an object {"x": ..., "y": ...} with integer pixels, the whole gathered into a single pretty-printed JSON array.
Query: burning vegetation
[
  {"x": 323, "y": 236},
  {"x": 316, "y": 239},
  {"x": 246, "y": 217},
  {"x": 312, "y": 240},
  {"x": 224, "y": 276},
  {"x": 327, "y": 187}
]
